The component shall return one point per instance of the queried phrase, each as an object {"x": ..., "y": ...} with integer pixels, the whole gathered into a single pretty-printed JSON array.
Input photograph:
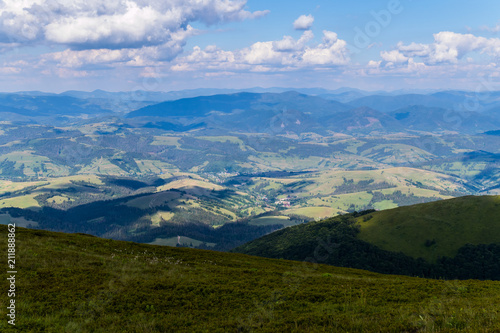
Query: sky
[{"x": 165, "y": 45}]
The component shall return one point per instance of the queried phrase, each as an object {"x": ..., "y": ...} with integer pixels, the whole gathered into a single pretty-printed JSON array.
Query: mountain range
[{"x": 298, "y": 113}]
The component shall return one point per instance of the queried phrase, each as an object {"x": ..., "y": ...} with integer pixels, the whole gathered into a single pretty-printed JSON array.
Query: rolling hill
[
  {"x": 447, "y": 224},
  {"x": 79, "y": 283},
  {"x": 455, "y": 238}
]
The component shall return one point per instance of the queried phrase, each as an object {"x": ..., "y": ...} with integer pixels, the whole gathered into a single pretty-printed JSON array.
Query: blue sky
[{"x": 175, "y": 44}]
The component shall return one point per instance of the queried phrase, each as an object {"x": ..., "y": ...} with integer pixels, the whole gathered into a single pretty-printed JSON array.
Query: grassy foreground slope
[{"x": 78, "y": 283}]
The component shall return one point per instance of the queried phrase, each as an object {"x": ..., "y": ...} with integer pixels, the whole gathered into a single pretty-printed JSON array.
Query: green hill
[
  {"x": 447, "y": 224},
  {"x": 80, "y": 283},
  {"x": 455, "y": 238}
]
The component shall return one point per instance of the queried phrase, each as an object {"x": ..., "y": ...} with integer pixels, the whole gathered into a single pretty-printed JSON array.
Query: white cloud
[
  {"x": 262, "y": 52},
  {"x": 113, "y": 24},
  {"x": 75, "y": 59},
  {"x": 448, "y": 47},
  {"x": 393, "y": 56},
  {"x": 304, "y": 22},
  {"x": 287, "y": 54},
  {"x": 144, "y": 56},
  {"x": 290, "y": 44},
  {"x": 332, "y": 51},
  {"x": 211, "y": 57}
]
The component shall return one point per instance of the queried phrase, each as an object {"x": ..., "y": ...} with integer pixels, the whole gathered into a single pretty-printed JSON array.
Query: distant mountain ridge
[
  {"x": 227, "y": 103},
  {"x": 47, "y": 105},
  {"x": 253, "y": 111},
  {"x": 269, "y": 110}
]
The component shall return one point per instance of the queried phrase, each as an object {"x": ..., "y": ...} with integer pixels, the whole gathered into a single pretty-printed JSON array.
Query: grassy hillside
[
  {"x": 79, "y": 283},
  {"x": 455, "y": 238},
  {"x": 447, "y": 224}
]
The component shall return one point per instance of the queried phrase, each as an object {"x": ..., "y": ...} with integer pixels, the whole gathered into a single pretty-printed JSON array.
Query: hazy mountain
[
  {"x": 270, "y": 103},
  {"x": 47, "y": 105},
  {"x": 161, "y": 96},
  {"x": 344, "y": 97},
  {"x": 299, "y": 113},
  {"x": 392, "y": 103},
  {"x": 453, "y": 99},
  {"x": 432, "y": 119}
]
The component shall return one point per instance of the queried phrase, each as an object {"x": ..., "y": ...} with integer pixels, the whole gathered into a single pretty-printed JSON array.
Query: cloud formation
[
  {"x": 111, "y": 24},
  {"x": 143, "y": 56},
  {"x": 281, "y": 55},
  {"x": 451, "y": 55},
  {"x": 448, "y": 47},
  {"x": 332, "y": 51},
  {"x": 393, "y": 56},
  {"x": 304, "y": 22},
  {"x": 131, "y": 39}
]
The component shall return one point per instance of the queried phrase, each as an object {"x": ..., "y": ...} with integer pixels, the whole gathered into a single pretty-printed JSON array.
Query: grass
[
  {"x": 77, "y": 283},
  {"x": 25, "y": 201}
]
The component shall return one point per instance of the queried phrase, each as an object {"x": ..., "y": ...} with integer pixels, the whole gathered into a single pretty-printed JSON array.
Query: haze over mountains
[{"x": 360, "y": 114}]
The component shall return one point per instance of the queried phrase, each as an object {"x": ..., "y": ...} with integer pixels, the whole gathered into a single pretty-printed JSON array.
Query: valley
[{"x": 260, "y": 160}]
